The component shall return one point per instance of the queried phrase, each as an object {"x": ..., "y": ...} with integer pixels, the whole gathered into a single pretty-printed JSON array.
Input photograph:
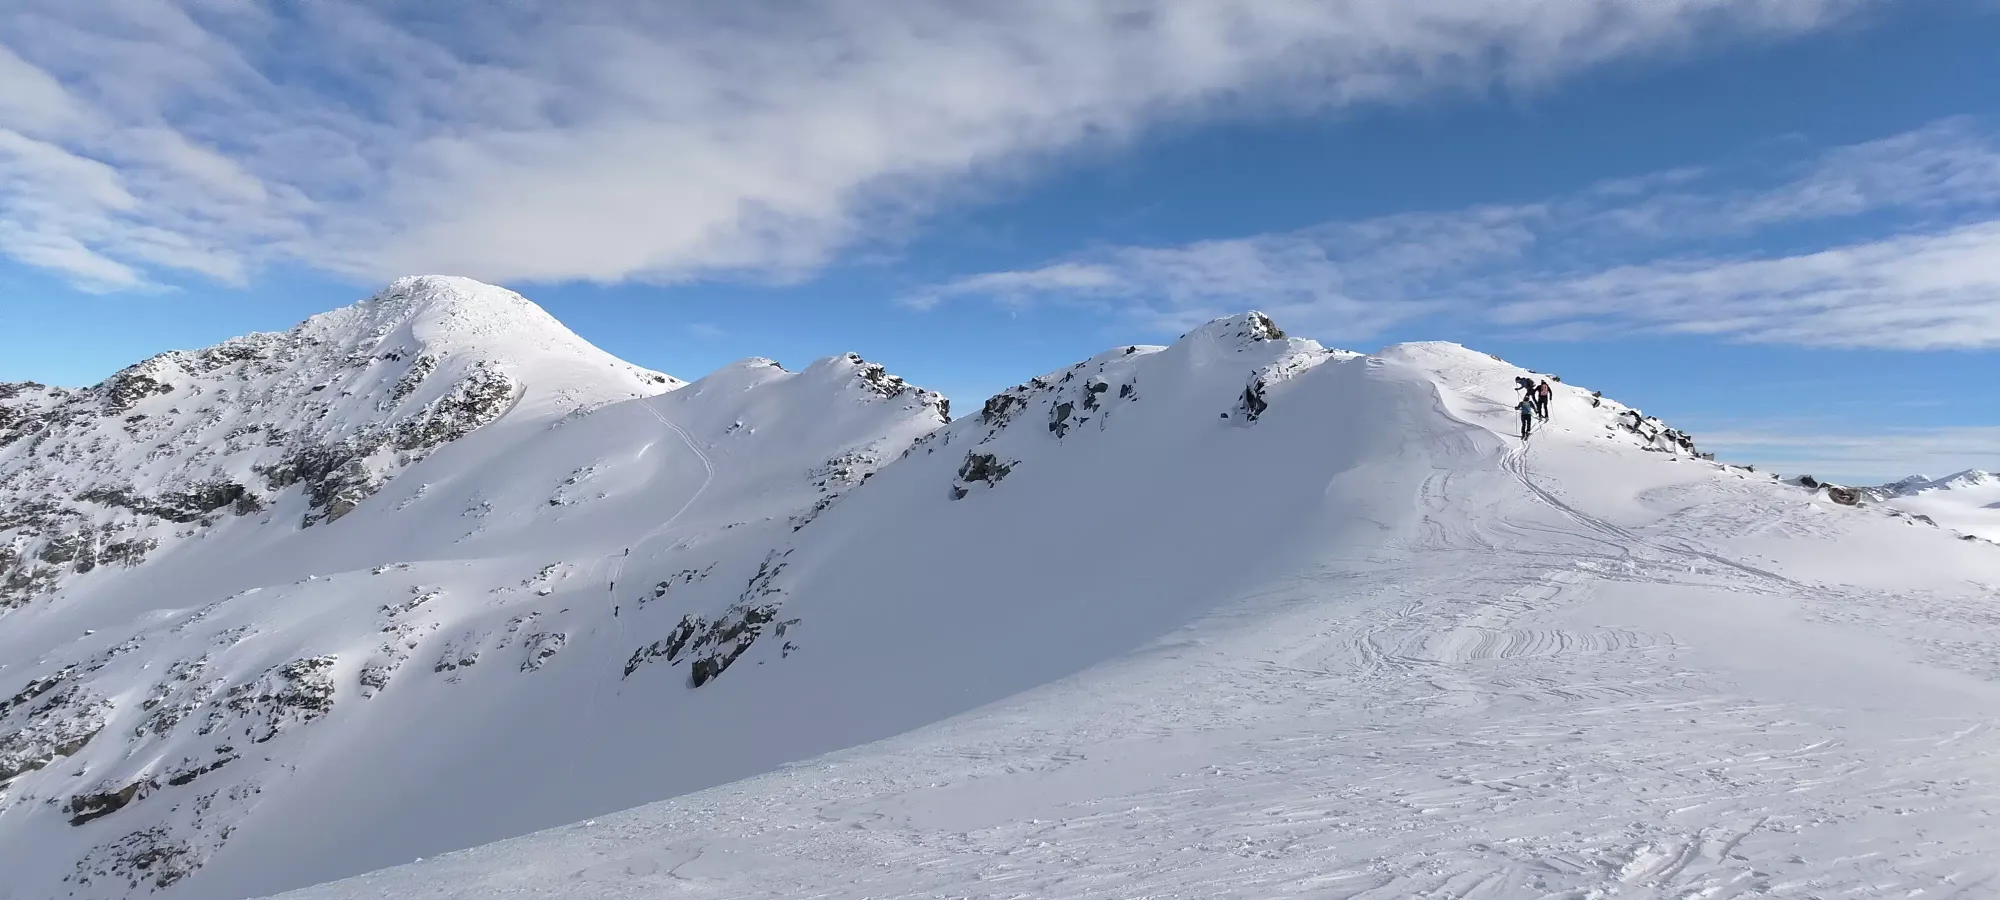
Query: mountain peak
[
  {"x": 1905, "y": 485},
  {"x": 445, "y": 310},
  {"x": 451, "y": 294},
  {"x": 409, "y": 284},
  {"x": 1918, "y": 484},
  {"x": 1967, "y": 478},
  {"x": 1241, "y": 329}
]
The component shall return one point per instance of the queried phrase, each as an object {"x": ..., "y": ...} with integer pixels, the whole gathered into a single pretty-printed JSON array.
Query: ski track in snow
[
  {"x": 612, "y": 613},
  {"x": 1530, "y": 699}
]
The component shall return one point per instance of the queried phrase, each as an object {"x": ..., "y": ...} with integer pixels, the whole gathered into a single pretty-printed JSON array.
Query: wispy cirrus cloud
[
  {"x": 1656, "y": 253},
  {"x": 1342, "y": 277},
  {"x": 620, "y": 139},
  {"x": 1925, "y": 291}
]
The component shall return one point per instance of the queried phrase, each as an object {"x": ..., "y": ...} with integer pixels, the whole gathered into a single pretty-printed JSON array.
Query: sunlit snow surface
[
  {"x": 1443, "y": 664},
  {"x": 1238, "y": 617}
]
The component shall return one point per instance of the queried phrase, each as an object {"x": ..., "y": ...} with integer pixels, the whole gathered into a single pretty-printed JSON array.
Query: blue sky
[{"x": 1773, "y": 222}]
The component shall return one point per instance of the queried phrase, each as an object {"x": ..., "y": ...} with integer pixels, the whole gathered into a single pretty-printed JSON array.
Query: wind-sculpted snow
[{"x": 1237, "y": 616}]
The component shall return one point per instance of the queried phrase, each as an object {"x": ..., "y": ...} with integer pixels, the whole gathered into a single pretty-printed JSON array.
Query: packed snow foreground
[{"x": 1238, "y": 617}]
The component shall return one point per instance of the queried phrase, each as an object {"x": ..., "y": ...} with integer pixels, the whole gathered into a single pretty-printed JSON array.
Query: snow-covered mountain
[
  {"x": 168, "y": 447},
  {"x": 249, "y": 588},
  {"x": 1968, "y": 502},
  {"x": 1240, "y": 616}
]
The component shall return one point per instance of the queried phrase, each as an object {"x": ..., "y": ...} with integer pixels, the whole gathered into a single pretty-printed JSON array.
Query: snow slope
[
  {"x": 1241, "y": 616},
  {"x": 1367, "y": 644},
  {"x": 1968, "y": 502},
  {"x": 408, "y": 631}
]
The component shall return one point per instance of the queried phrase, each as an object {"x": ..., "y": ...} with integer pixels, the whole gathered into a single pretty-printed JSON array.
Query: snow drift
[{"x": 584, "y": 586}]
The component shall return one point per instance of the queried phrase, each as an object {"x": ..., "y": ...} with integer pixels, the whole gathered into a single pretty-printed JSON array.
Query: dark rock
[
  {"x": 683, "y": 577},
  {"x": 292, "y": 694},
  {"x": 1843, "y": 496},
  {"x": 179, "y": 695},
  {"x": 35, "y": 688},
  {"x": 1059, "y": 418},
  {"x": 181, "y": 507},
  {"x": 1261, "y": 328},
  {"x": 420, "y": 369},
  {"x": 1000, "y": 409},
  {"x": 542, "y": 647},
  {"x": 713, "y": 646},
  {"x": 79, "y": 547},
  {"x": 50, "y": 718},
  {"x": 479, "y": 398},
  {"x": 877, "y": 379},
  {"x": 1091, "y": 391},
  {"x": 152, "y": 859},
  {"x": 84, "y": 808},
  {"x": 981, "y": 467},
  {"x": 124, "y": 390},
  {"x": 1252, "y": 404},
  {"x": 228, "y": 353}
]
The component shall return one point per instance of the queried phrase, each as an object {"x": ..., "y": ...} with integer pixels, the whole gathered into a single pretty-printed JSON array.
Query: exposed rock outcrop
[{"x": 983, "y": 468}]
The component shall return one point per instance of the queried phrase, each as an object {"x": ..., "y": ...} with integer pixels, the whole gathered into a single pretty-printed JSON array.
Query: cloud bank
[
  {"x": 621, "y": 139},
  {"x": 1637, "y": 255},
  {"x": 1882, "y": 456}
]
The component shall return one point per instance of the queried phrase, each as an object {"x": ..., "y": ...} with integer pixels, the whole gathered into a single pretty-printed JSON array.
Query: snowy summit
[
  {"x": 1241, "y": 616},
  {"x": 1968, "y": 501}
]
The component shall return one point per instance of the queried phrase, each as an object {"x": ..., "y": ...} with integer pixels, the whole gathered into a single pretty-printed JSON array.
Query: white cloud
[
  {"x": 1914, "y": 292},
  {"x": 1875, "y": 456},
  {"x": 1629, "y": 255},
  {"x": 1344, "y": 280},
  {"x": 617, "y": 139},
  {"x": 33, "y": 101},
  {"x": 1071, "y": 278},
  {"x": 1952, "y": 163}
]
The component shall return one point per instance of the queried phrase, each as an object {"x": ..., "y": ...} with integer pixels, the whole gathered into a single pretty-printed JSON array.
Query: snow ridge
[{"x": 466, "y": 577}]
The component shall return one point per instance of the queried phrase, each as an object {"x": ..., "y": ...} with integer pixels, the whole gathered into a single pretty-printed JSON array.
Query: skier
[
  {"x": 1527, "y": 406},
  {"x": 1542, "y": 394}
]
